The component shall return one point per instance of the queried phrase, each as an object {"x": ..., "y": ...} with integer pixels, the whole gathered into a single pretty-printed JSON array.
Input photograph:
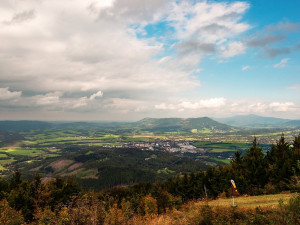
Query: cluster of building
[{"x": 165, "y": 145}]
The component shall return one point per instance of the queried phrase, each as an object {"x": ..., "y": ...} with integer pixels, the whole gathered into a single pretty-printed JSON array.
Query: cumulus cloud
[
  {"x": 60, "y": 55},
  {"x": 21, "y": 17},
  {"x": 98, "y": 94},
  {"x": 213, "y": 107},
  {"x": 232, "y": 49},
  {"x": 282, "y": 107},
  {"x": 207, "y": 27},
  {"x": 282, "y": 63},
  {"x": 210, "y": 22},
  {"x": 6, "y": 94},
  {"x": 265, "y": 40},
  {"x": 284, "y": 26},
  {"x": 193, "y": 105},
  {"x": 75, "y": 50},
  {"x": 165, "y": 106},
  {"x": 194, "y": 46},
  {"x": 249, "y": 106},
  {"x": 273, "y": 52},
  {"x": 274, "y": 34},
  {"x": 48, "y": 99}
]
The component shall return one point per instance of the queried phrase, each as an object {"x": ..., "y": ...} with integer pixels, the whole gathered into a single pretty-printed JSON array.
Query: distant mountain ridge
[
  {"x": 195, "y": 125},
  {"x": 182, "y": 124},
  {"x": 258, "y": 121},
  {"x": 23, "y": 125},
  {"x": 293, "y": 123}
]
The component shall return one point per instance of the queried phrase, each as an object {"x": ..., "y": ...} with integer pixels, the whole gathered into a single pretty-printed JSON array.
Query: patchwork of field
[{"x": 39, "y": 145}]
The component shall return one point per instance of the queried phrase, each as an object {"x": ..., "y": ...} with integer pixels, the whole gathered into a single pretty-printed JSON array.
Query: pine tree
[
  {"x": 280, "y": 159},
  {"x": 254, "y": 164}
]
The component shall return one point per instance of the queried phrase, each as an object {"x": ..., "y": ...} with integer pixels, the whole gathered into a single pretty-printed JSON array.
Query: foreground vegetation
[
  {"x": 88, "y": 210},
  {"x": 203, "y": 213}
]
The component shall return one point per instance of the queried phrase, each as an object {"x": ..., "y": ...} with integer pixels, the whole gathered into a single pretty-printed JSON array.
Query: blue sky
[{"x": 130, "y": 59}]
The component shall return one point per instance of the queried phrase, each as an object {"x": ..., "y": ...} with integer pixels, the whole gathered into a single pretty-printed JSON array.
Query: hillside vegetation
[
  {"x": 280, "y": 209},
  {"x": 202, "y": 124}
]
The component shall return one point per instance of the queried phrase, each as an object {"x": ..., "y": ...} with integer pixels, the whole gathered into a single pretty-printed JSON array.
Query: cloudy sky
[{"x": 130, "y": 59}]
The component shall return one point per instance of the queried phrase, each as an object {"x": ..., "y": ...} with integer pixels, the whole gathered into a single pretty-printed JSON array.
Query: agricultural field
[
  {"x": 107, "y": 156},
  {"x": 36, "y": 145}
]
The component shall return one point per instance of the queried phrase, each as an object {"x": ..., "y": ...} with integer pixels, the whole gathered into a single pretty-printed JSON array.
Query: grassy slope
[
  {"x": 189, "y": 214},
  {"x": 252, "y": 201}
]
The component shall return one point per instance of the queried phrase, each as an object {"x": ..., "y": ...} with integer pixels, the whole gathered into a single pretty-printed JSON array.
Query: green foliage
[{"x": 281, "y": 163}]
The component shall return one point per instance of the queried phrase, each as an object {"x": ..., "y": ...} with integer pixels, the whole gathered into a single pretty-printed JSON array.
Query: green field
[
  {"x": 223, "y": 150},
  {"x": 2, "y": 168},
  {"x": 3, "y": 155},
  {"x": 165, "y": 171},
  {"x": 6, "y": 161},
  {"x": 218, "y": 147},
  {"x": 226, "y": 161},
  {"x": 21, "y": 151}
]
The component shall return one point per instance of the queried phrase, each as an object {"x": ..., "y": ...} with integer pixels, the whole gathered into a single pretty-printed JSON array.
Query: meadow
[
  {"x": 276, "y": 209},
  {"x": 249, "y": 202}
]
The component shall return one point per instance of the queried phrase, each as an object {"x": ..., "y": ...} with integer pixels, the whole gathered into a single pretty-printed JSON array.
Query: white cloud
[
  {"x": 81, "y": 102},
  {"x": 282, "y": 63},
  {"x": 245, "y": 68},
  {"x": 248, "y": 106},
  {"x": 233, "y": 49},
  {"x": 62, "y": 54},
  {"x": 194, "y": 105},
  {"x": 75, "y": 50},
  {"x": 48, "y": 99},
  {"x": 282, "y": 107},
  {"x": 207, "y": 27},
  {"x": 164, "y": 106},
  {"x": 98, "y": 94},
  {"x": 208, "y": 21},
  {"x": 6, "y": 94}
]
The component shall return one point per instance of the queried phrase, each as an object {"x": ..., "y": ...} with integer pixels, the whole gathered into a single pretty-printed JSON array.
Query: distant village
[{"x": 165, "y": 145}]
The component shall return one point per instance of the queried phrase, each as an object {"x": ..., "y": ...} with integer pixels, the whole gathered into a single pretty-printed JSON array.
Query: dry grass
[
  {"x": 252, "y": 201},
  {"x": 75, "y": 166},
  {"x": 192, "y": 212},
  {"x": 60, "y": 164}
]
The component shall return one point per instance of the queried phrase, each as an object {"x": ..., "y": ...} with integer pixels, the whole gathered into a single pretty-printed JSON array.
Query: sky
[{"x": 124, "y": 60}]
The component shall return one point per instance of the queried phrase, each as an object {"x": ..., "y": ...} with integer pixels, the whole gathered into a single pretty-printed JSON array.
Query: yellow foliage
[
  {"x": 148, "y": 206},
  {"x": 9, "y": 216}
]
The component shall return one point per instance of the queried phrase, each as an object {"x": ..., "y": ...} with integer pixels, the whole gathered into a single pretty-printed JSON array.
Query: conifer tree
[
  {"x": 280, "y": 159},
  {"x": 255, "y": 165}
]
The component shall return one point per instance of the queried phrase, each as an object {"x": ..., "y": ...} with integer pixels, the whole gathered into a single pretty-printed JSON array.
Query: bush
[
  {"x": 9, "y": 216},
  {"x": 293, "y": 210}
]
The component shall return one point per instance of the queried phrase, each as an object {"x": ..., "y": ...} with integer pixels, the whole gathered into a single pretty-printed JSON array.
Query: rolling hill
[
  {"x": 293, "y": 123},
  {"x": 201, "y": 124},
  {"x": 23, "y": 125},
  {"x": 254, "y": 121}
]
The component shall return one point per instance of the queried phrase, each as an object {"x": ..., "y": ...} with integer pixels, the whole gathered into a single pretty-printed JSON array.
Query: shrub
[{"x": 9, "y": 216}]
